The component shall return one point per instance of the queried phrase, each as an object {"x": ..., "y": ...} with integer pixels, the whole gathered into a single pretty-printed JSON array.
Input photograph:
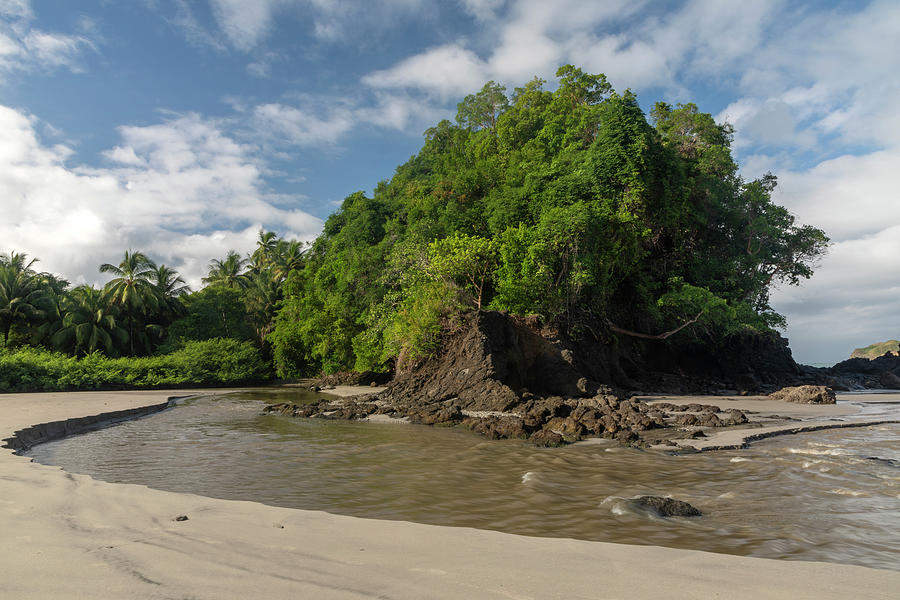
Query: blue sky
[{"x": 182, "y": 127}]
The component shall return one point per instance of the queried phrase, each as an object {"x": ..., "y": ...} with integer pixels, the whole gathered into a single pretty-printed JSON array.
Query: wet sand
[
  {"x": 69, "y": 536},
  {"x": 796, "y": 418}
]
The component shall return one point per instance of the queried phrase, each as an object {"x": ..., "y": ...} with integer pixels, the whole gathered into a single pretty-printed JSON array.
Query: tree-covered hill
[{"x": 569, "y": 205}]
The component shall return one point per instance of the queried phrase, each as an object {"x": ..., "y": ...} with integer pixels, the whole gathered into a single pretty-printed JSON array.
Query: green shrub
[{"x": 211, "y": 362}]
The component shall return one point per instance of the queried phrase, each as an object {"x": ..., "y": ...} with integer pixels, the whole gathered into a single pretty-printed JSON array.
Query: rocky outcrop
[
  {"x": 860, "y": 373},
  {"x": 805, "y": 394},
  {"x": 509, "y": 377}
]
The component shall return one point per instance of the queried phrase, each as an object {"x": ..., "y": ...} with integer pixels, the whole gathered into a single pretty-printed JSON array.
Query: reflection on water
[{"x": 832, "y": 495}]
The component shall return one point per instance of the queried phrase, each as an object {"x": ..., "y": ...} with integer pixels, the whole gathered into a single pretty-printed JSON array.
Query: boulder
[
  {"x": 805, "y": 394},
  {"x": 668, "y": 507},
  {"x": 547, "y": 438}
]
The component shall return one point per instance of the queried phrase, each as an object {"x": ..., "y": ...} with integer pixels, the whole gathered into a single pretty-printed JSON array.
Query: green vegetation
[
  {"x": 876, "y": 350},
  {"x": 208, "y": 363},
  {"x": 567, "y": 204},
  {"x": 145, "y": 328}
]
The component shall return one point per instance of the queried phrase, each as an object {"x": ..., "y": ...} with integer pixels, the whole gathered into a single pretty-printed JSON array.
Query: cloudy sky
[{"x": 180, "y": 127}]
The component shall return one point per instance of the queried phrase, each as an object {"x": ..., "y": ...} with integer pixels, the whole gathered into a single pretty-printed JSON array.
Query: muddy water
[{"x": 832, "y": 496}]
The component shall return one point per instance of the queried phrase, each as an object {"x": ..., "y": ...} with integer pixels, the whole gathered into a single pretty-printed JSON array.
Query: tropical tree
[
  {"x": 18, "y": 261},
  {"x": 132, "y": 290},
  {"x": 89, "y": 323},
  {"x": 266, "y": 251},
  {"x": 21, "y": 296},
  {"x": 170, "y": 287},
  {"x": 261, "y": 300},
  {"x": 289, "y": 256},
  {"x": 228, "y": 272}
]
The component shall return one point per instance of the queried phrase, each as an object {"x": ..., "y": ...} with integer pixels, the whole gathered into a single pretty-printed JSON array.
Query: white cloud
[
  {"x": 444, "y": 70},
  {"x": 20, "y": 9},
  {"x": 23, "y": 47},
  {"x": 245, "y": 23},
  {"x": 850, "y": 196},
  {"x": 52, "y": 50},
  {"x": 850, "y": 302},
  {"x": 193, "y": 31},
  {"x": 300, "y": 127},
  {"x": 325, "y": 121},
  {"x": 182, "y": 191},
  {"x": 482, "y": 10}
]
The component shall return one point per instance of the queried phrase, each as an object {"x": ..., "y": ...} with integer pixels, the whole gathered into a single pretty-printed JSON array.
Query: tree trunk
[{"x": 659, "y": 336}]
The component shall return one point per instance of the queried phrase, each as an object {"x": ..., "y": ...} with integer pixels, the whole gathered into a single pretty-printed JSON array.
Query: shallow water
[{"x": 831, "y": 495}]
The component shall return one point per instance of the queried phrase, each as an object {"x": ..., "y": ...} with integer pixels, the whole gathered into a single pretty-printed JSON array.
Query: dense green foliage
[
  {"x": 567, "y": 204},
  {"x": 212, "y": 362},
  {"x": 145, "y": 328}
]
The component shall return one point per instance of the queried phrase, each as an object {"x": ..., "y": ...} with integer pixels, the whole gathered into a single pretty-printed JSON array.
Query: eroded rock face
[
  {"x": 805, "y": 394},
  {"x": 668, "y": 507}
]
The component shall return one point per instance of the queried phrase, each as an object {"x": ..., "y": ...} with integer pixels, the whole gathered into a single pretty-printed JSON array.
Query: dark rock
[
  {"x": 497, "y": 428},
  {"x": 444, "y": 416},
  {"x": 627, "y": 437},
  {"x": 687, "y": 420},
  {"x": 181, "y": 518},
  {"x": 546, "y": 438},
  {"x": 889, "y": 381},
  {"x": 668, "y": 507},
  {"x": 710, "y": 420}
]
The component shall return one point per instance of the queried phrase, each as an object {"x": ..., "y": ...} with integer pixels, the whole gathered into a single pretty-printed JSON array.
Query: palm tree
[
  {"x": 21, "y": 296},
  {"x": 229, "y": 272},
  {"x": 262, "y": 300},
  {"x": 289, "y": 256},
  {"x": 266, "y": 249},
  {"x": 132, "y": 289},
  {"x": 169, "y": 287},
  {"x": 52, "y": 305},
  {"x": 88, "y": 324},
  {"x": 17, "y": 262}
]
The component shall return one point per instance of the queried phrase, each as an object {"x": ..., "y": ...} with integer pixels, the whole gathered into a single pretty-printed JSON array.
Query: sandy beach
[{"x": 69, "y": 536}]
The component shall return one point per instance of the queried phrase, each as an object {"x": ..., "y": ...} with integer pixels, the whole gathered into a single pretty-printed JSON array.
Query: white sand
[{"x": 68, "y": 536}]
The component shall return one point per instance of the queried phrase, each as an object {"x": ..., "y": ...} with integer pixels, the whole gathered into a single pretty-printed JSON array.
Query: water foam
[
  {"x": 846, "y": 492},
  {"x": 836, "y": 451}
]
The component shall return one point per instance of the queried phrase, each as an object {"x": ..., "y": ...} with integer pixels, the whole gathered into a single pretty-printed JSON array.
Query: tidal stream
[{"x": 829, "y": 495}]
